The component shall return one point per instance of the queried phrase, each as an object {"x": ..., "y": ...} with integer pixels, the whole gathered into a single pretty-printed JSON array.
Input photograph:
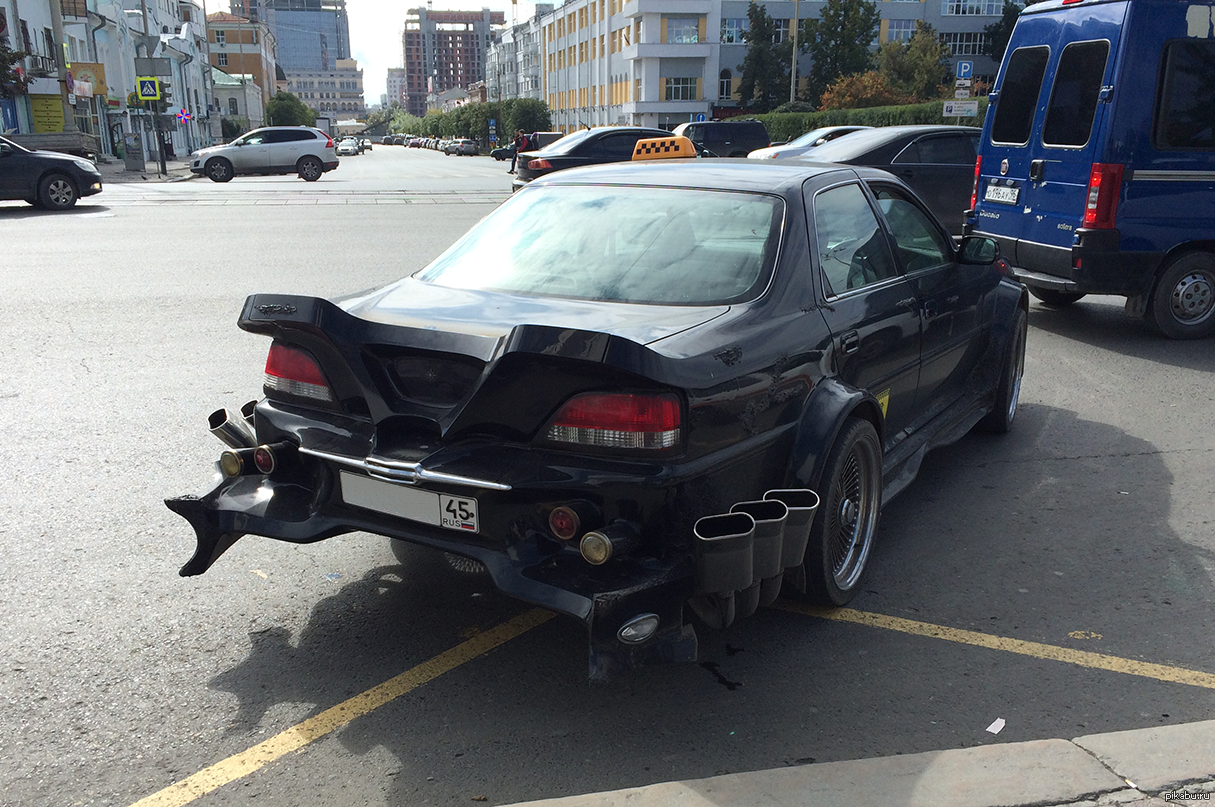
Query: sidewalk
[
  {"x": 115, "y": 171},
  {"x": 1157, "y": 766}
]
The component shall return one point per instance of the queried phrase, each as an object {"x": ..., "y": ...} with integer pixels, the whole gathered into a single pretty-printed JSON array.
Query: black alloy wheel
[
  {"x": 1000, "y": 419},
  {"x": 56, "y": 192},
  {"x": 844, "y": 527},
  {"x": 218, "y": 169},
  {"x": 310, "y": 169},
  {"x": 1183, "y": 301},
  {"x": 1054, "y": 299}
]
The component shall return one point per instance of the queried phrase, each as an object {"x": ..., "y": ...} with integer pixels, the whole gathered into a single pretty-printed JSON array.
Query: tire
[
  {"x": 844, "y": 527},
  {"x": 310, "y": 169},
  {"x": 57, "y": 192},
  {"x": 1054, "y": 299},
  {"x": 219, "y": 170},
  {"x": 1183, "y": 300},
  {"x": 1000, "y": 419}
]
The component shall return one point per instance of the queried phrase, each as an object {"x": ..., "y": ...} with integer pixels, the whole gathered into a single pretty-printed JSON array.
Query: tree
[
  {"x": 232, "y": 128},
  {"x": 862, "y": 90},
  {"x": 12, "y": 82},
  {"x": 918, "y": 68},
  {"x": 765, "y": 68},
  {"x": 286, "y": 109},
  {"x": 999, "y": 32},
  {"x": 838, "y": 41}
]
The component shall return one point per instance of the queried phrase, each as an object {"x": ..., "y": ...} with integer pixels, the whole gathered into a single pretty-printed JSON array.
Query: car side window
[
  {"x": 254, "y": 139},
  {"x": 614, "y": 147},
  {"x": 852, "y": 249},
  {"x": 917, "y": 240},
  {"x": 277, "y": 137},
  {"x": 910, "y": 154},
  {"x": 294, "y": 136},
  {"x": 947, "y": 150}
]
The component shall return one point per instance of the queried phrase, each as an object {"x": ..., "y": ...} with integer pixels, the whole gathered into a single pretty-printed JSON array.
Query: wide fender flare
[
  {"x": 829, "y": 405},
  {"x": 1010, "y": 295}
]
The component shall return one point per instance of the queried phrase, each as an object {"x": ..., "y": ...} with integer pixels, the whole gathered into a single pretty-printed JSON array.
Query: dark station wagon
[{"x": 633, "y": 393}]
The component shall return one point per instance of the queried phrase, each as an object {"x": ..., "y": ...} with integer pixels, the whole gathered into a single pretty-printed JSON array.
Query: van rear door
[{"x": 1040, "y": 143}]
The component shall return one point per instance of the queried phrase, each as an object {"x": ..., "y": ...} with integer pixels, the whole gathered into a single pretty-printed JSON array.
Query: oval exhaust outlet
[
  {"x": 802, "y": 504},
  {"x": 232, "y": 431},
  {"x": 723, "y": 552}
]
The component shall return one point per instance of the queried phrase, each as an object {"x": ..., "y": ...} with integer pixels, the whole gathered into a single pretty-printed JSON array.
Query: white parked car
[
  {"x": 348, "y": 148},
  {"x": 270, "y": 150},
  {"x": 800, "y": 146}
]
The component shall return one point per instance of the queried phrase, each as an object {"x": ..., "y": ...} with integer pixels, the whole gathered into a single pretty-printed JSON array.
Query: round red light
[
  {"x": 263, "y": 459},
  {"x": 563, "y": 522}
]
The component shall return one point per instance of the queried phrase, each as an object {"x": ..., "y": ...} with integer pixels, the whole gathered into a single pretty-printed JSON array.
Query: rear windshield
[
  {"x": 566, "y": 144},
  {"x": 1019, "y": 95},
  {"x": 668, "y": 246},
  {"x": 1073, "y": 99},
  {"x": 1185, "y": 106}
]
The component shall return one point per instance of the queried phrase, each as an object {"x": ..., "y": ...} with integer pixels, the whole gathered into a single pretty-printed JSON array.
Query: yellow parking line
[
  {"x": 1082, "y": 658},
  {"x": 296, "y": 737}
]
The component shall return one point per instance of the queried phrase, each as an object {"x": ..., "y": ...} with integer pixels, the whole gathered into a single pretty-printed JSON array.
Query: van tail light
[
  {"x": 538, "y": 165},
  {"x": 618, "y": 420},
  {"x": 974, "y": 191},
  {"x": 294, "y": 372},
  {"x": 1104, "y": 185}
]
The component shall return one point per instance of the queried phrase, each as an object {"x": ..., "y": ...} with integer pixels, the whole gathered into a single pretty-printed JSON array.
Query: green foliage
[
  {"x": 285, "y": 109},
  {"x": 10, "y": 83},
  {"x": 999, "y": 32},
  {"x": 863, "y": 90},
  {"x": 472, "y": 120},
  {"x": 232, "y": 128},
  {"x": 795, "y": 106},
  {"x": 765, "y": 68},
  {"x": 918, "y": 68},
  {"x": 838, "y": 41},
  {"x": 783, "y": 127}
]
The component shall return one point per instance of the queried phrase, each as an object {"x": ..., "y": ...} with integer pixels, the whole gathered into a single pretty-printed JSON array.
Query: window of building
[
  {"x": 972, "y": 8},
  {"x": 725, "y": 85},
  {"x": 1184, "y": 120},
  {"x": 780, "y": 31},
  {"x": 732, "y": 30},
  {"x": 233, "y": 109},
  {"x": 965, "y": 43},
  {"x": 255, "y": 37},
  {"x": 679, "y": 89},
  {"x": 221, "y": 37},
  {"x": 223, "y": 59},
  {"x": 900, "y": 30}
]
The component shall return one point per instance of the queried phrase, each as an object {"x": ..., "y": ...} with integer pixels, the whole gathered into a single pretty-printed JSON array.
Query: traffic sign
[
  {"x": 963, "y": 93},
  {"x": 962, "y": 82},
  {"x": 965, "y": 69},
  {"x": 700, "y": 117},
  {"x": 960, "y": 109},
  {"x": 160, "y": 66},
  {"x": 147, "y": 89},
  {"x": 492, "y": 123}
]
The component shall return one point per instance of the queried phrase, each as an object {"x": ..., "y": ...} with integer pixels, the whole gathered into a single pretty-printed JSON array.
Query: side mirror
[{"x": 978, "y": 251}]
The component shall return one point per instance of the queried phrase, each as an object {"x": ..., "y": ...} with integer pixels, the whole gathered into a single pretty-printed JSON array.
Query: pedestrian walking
[{"x": 522, "y": 143}]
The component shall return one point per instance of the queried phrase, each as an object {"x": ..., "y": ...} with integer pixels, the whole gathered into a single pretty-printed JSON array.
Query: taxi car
[{"x": 628, "y": 391}]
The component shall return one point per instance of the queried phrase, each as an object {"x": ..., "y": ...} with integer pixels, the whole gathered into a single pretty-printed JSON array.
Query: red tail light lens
[
  {"x": 1104, "y": 185},
  {"x": 329, "y": 144},
  {"x": 294, "y": 372},
  {"x": 974, "y": 191},
  {"x": 538, "y": 165},
  {"x": 621, "y": 420}
]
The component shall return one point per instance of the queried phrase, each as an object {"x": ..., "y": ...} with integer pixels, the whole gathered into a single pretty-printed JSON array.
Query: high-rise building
[
  {"x": 311, "y": 34},
  {"x": 396, "y": 86},
  {"x": 444, "y": 50}
]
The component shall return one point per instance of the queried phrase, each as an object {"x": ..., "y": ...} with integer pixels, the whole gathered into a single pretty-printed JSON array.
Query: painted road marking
[
  {"x": 1082, "y": 658},
  {"x": 335, "y": 717}
]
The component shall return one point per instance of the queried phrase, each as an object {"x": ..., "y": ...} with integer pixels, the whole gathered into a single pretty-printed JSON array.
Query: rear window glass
[
  {"x": 1019, "y": 95},
  {"x": 1185, "y": 108},
  {"x": 667, "y": 246},
  {"x": 568, "y": 143},
  {"x": 1073, "y": 99}
]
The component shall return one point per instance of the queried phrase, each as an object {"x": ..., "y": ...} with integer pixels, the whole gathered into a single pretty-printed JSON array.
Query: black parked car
[
  {"x": 938, "y": 162},
  {"x": 605, "y": 144},
  {"x": 627, "y": 388},
  {"x": 727, "y": 138},
  {"x": 45, "y": 178}
]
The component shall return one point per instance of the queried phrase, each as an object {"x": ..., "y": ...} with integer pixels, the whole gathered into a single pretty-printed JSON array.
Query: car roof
[
  {"x": 861, "y": 142},
  {"x": 713, "y": 174}
]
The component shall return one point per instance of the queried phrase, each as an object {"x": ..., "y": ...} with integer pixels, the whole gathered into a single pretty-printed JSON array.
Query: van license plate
[{"x": 1001, "y": 193}]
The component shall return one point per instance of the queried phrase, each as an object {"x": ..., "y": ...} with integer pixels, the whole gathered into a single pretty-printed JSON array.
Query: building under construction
[{"x": 444, "y": 50}]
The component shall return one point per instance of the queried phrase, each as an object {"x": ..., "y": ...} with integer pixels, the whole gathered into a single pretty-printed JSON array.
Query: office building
[{"x": 444, "y": 50}]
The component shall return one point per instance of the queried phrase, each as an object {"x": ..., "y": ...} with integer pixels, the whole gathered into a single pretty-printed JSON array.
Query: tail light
[
  {"x": 621, "y": 420},
  {"x": 974, "y": 191},
  {"x": 538, "y": 165},
  {"x": 1104, "y": 185},
  {"x": 329, "y": 143},
  {"x": 294, "y": 372}
]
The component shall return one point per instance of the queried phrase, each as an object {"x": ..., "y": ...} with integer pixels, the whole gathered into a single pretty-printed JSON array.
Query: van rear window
[
  {"x": 1073, "y": 99},
  {"x": 1185, "y": 108},
  {"x": 1019, "y": 95}
]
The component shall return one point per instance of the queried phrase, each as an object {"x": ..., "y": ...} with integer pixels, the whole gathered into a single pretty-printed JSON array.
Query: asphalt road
[{"x": 1088, "y": 528}]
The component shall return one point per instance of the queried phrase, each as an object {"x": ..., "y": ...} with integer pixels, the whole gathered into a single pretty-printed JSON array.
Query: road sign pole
[{"x": 160, "y": 141}]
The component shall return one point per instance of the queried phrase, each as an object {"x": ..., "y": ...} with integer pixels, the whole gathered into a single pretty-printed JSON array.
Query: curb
[{"x": 1155, "y": 766}]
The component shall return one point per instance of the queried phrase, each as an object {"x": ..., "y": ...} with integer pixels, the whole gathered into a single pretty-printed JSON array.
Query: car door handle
[
  {"x": 906, "y": 302},
  {"x": 1037, "y": 169},
  {"x": 850, "y": 342},
  {"x": 930, "y": 309}
]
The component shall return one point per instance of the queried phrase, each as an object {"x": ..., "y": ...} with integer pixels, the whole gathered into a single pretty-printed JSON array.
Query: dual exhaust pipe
[
  {"x": 232, "y": 431},
  {"x": 741, "y": 555},
  {"x": 244, "y": 456}
]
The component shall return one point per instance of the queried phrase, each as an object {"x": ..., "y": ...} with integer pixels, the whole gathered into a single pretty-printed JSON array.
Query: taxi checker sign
[{"x": 147, "y": 89}]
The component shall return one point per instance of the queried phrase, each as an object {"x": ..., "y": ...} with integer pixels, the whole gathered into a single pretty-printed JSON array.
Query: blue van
[{"x": 1096, "y": 168}]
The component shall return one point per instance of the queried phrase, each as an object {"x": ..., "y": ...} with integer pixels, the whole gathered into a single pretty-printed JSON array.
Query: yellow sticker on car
[
  {"x": 883, "y": 399},
  {"x": 663, "y": 148}
]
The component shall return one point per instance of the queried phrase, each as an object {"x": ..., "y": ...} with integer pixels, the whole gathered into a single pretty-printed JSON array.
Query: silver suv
[{"x": 269, "y": 150}]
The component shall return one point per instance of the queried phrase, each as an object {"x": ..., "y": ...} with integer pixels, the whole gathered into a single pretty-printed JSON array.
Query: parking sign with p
[{"x": 966, "y": 69}]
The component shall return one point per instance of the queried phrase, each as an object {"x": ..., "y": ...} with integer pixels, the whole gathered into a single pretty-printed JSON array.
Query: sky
[{"x": 376, "y": 26}]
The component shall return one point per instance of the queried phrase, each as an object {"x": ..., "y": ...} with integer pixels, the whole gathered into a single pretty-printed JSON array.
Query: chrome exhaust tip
[
  {"x": 232, "y": 431},
  {"x": 802, "y": 504}
]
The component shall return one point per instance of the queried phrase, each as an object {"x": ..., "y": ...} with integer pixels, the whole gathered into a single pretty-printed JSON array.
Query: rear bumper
[{"x": 330, "y": 166}]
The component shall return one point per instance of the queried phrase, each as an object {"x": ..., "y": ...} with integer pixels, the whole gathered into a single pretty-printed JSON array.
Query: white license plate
[
  {"x": 1001, "y": 193},
  {"x": 435, "y": 509}
]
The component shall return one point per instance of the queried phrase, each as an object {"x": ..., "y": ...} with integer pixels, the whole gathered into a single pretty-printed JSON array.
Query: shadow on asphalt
[
  {"x": 27, "y": 211},
  {"x": 1057, "y": 533},
  {"x": 1107, "y": 327}
]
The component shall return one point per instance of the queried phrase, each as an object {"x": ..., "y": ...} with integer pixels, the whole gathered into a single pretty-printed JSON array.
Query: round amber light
[
  {"x": 230, "y": 463},
  {"x": 595, "y": 548}
]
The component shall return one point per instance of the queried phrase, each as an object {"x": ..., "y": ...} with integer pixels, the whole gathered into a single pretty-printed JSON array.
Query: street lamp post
[{"x": 793, "y": 68}]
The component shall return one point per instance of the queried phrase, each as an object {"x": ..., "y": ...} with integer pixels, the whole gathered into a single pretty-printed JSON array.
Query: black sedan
[
  {"x": 626, "y": 391},
  {"x": 604, "y": 144},
  {"x": 938, "y": 162},
  {"x": 45, "y": 178}
]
